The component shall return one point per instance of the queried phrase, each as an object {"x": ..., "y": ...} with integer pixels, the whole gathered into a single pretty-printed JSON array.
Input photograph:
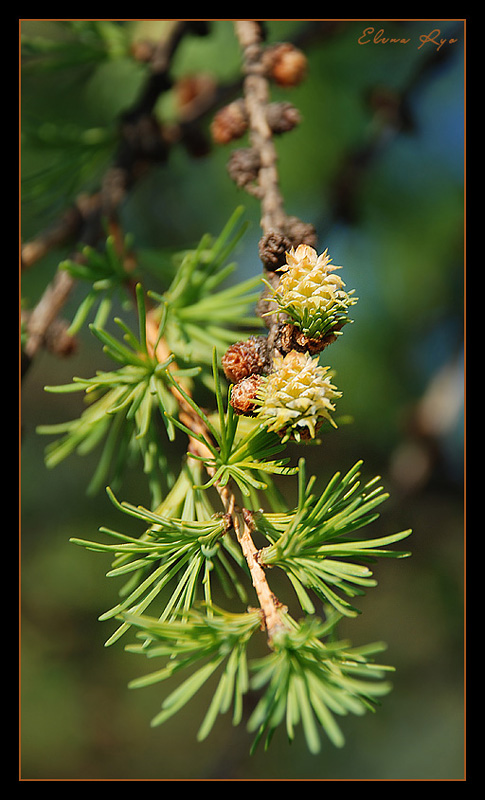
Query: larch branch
[
  {"x": 240, "y": 517},
  {"x": 256, "y": 93}
]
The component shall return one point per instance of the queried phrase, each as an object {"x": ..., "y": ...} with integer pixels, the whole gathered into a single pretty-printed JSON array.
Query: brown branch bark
[
  {"x": 240, "y": 518},
  {"x": 257, "y": 97}
]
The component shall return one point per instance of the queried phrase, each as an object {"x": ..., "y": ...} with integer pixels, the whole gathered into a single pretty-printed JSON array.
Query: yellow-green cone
[
  {"x": 297, "y": 396},
  {"x": 311, "y": 294}
]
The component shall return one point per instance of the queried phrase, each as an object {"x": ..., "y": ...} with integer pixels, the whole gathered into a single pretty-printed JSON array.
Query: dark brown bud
[
  {"x": 230, "y": 122},
  {"x": 273, "y": 247},
  {"x": 291, "y": 338},
  {"x": 300, "y": 232},
  {"x": 282, "y": 117},
  {"x": 245, "y": 358},
  {"x": 244, "y": 395},
  {"x": 243, "y": 166}
]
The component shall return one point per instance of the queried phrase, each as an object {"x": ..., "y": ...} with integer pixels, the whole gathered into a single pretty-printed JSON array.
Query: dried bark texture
[{"x": 256, "y": 93}]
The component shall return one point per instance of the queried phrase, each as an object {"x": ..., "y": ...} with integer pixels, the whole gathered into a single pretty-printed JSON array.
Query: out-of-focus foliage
[{"x": 383, "y": 183}]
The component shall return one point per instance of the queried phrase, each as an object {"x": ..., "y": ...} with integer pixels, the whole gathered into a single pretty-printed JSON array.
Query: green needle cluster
[
  {"x": 318, "y": 544},
  {"x": 187, "y": 561},
  {"x": 122, "y": 406}
]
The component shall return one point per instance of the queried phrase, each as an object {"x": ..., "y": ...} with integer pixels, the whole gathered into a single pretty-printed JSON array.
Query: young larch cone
[
  {"x": 297, "y": 397},
  {"x": 311, "y": 294}
]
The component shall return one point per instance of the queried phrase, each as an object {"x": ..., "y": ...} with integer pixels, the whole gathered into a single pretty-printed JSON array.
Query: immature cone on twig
[
  {"x": 311, "y": 294},
  {"x": 297, "y": 397}
]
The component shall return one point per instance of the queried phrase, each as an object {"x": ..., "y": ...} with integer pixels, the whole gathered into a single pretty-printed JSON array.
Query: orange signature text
[{"x": 371, "y": 36}]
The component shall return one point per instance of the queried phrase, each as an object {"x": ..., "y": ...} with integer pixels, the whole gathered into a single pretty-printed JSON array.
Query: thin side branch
[{"x": 240, "y": 518}]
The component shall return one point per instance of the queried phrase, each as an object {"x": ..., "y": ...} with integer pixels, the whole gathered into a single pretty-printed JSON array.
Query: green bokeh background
[{"x": 402, "y": 251}]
